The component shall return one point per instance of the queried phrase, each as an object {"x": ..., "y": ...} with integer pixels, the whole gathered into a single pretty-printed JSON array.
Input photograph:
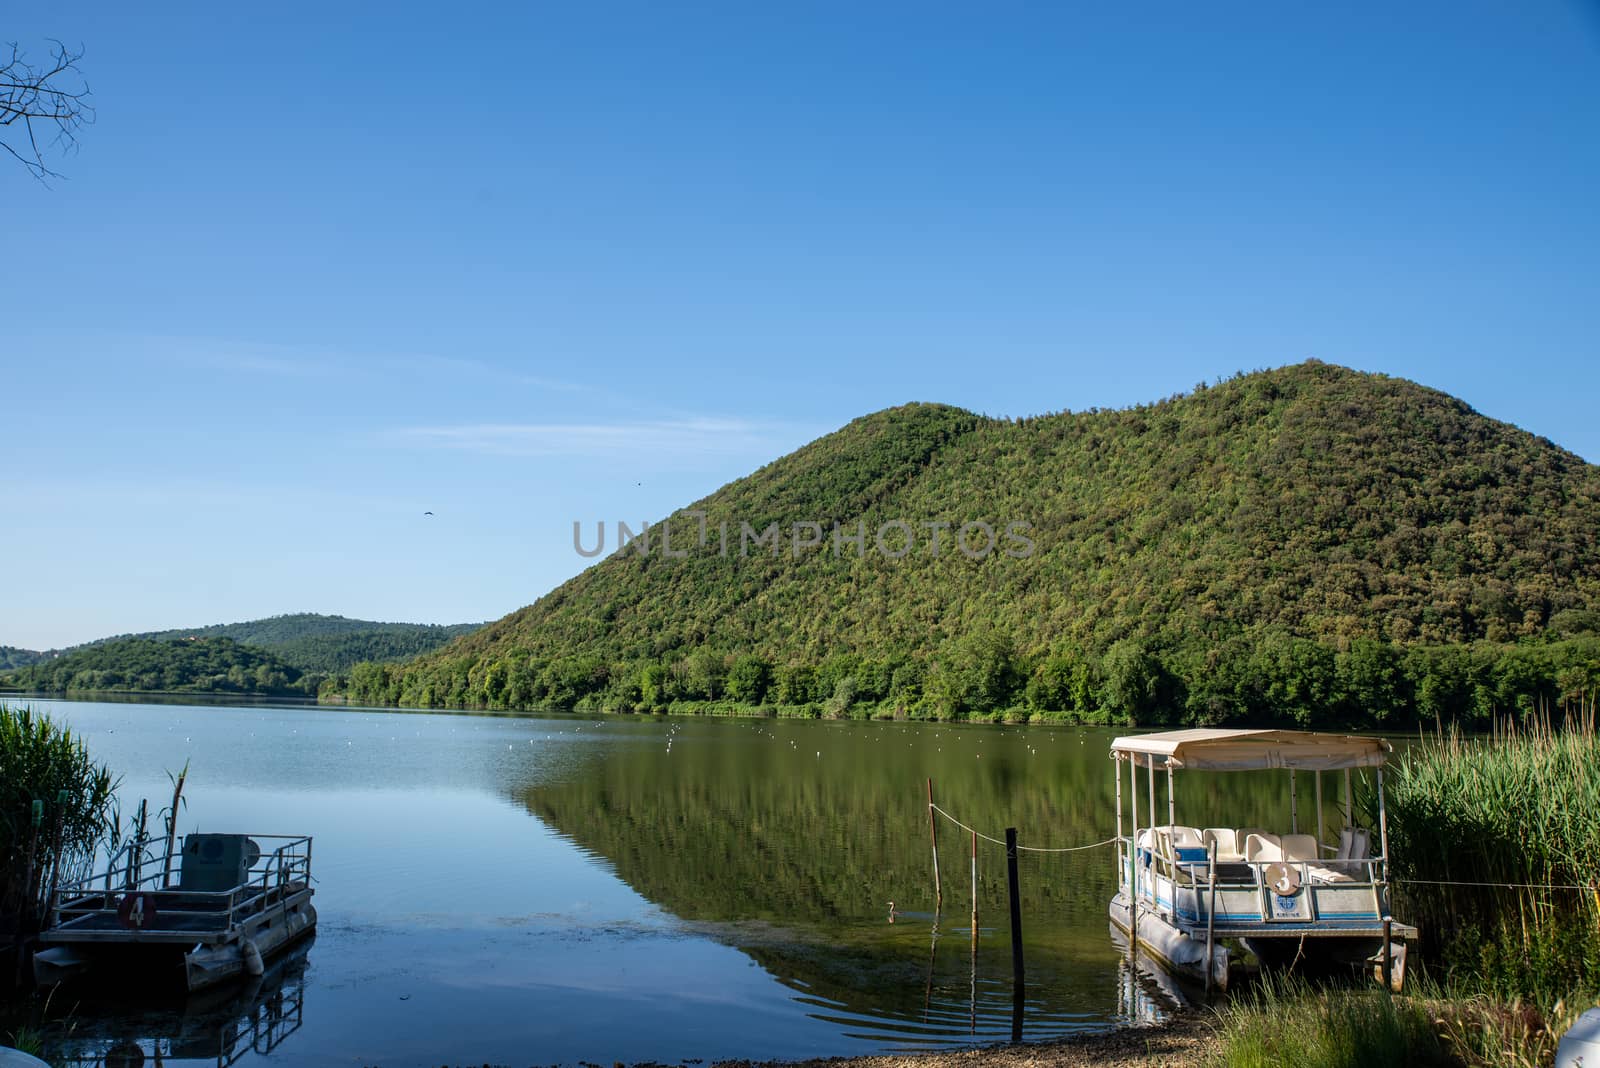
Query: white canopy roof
[{"x": 1212, "y": 749}]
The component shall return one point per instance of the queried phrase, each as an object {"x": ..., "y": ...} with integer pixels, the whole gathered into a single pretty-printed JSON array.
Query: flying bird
[{"x": 427, "y": 513}]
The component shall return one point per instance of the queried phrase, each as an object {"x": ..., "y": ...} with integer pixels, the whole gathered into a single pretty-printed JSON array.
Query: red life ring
[{"x": 137, "y": 911}]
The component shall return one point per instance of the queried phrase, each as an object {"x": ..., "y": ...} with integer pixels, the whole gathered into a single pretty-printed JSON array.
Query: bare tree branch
[{"x": 37, "y": 99}]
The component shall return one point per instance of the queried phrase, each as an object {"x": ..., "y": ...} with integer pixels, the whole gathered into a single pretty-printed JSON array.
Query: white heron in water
[{"x": 892, "y": 912}]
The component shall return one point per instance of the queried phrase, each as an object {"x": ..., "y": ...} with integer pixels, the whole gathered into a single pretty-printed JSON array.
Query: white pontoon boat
[{"x": 1191, "y": 892}]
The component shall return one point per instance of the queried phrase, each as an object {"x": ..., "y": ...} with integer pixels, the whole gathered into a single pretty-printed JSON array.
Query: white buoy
[{"x": 250, "y": 953}]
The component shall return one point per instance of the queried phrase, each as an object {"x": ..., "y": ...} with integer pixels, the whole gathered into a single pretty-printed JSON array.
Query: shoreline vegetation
[{"x": 1367, "y": 685}]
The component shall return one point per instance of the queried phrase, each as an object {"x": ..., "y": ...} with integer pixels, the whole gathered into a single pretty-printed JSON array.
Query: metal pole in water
[
  {"x": 933, "y": 833},
  {"x": 1014, "y": 892},
  {"x": 974, "y": 889}
]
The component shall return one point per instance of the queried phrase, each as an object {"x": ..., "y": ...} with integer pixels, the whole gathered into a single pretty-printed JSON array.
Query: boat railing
[
  {"x": 138, "y": 867},
  {"x": 1163, "y": 861}
]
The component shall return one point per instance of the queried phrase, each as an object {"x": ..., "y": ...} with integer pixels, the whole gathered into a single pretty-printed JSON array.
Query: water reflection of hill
[{"x": 788, "y": 840}]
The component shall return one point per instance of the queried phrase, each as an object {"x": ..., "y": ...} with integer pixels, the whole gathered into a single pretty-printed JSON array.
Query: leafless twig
[{"x": 36, "y": 100}]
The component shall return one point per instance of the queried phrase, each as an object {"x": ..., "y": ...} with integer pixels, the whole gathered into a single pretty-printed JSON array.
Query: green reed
[
  {"x": 1519, "y": 811},
  {"x": 57, "y": 809}
]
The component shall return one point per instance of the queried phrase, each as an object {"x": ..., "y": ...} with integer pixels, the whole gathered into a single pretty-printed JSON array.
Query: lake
[{"x": 559, "y": 888}]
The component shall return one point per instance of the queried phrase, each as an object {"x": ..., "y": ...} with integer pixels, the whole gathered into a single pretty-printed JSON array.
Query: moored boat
[
  {"x": 238, "y": 900},
  {"x": 1188, "y": 896}
]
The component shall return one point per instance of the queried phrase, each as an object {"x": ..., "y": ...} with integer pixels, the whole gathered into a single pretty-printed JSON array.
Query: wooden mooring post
[
  {"x": 933, "y": 834},
  {"x": 1014, "y": 892}
]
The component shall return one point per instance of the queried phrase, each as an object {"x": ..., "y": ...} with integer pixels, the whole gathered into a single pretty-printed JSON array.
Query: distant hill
[
  {"x": 12, "y": 657},
  {"x": 1303, "y": 543},
  {"x": 288, "y": 654},
  {"x": 319, "y": 643},
  {"x": 188, "y": 665}
]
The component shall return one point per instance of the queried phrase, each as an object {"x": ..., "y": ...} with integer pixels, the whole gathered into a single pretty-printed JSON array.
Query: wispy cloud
[
  {"x": 647, "y": 437},
  {"x": 319, "y": 361}
]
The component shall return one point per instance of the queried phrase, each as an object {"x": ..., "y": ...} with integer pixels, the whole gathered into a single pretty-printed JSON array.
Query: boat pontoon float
[
  {"x": 238, "y": 900},
  {"x": 1192, "y": 893}
]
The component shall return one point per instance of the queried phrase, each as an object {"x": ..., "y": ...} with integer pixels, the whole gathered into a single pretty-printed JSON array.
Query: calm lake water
[{"x": 557, "y": 889}]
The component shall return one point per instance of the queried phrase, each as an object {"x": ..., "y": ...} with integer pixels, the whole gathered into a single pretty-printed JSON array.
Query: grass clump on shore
[{"x": 1286, "y": 1022}]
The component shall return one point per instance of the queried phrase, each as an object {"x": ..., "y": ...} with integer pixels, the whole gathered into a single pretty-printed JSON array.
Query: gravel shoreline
[{"x": 1184, "y": 1041}]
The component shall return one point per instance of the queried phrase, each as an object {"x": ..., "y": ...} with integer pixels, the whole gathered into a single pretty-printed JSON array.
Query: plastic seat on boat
[
  {"x": 1180, "y": 837},
  {"x": 1355, "y": 846},
  {"x": 1242, "y": 836},
  {"x": 1300, "y": 847},
  {"x": 1263, "y": 847},
  {"x": 1226, "y": 842}
]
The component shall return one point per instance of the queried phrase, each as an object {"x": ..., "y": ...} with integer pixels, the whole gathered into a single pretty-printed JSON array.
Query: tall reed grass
[
  {"x": 1520, "y": 811},
  {"x": 57, "y": 808}
]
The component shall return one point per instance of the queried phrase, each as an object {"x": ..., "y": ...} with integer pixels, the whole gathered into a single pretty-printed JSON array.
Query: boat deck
[{"x": 176, "y": 916}]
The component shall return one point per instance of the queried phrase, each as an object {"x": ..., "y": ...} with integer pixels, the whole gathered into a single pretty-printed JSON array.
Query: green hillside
[
  {"x": 193, "y": 665},
  {"x": 320, "y": 643},
  {"x": 12, "y": 657},
  {"x": 1306, "y": 543}
]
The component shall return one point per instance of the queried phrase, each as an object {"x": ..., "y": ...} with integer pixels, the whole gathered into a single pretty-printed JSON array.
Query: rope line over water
[{"x": 1001, "y": 842}]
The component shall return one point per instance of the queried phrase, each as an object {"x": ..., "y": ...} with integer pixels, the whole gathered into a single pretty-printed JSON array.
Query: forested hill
[
  {"x": 12, "y": 657},
  {"x": 321, "y": 643},
  {"x": 190, "y": 665},
  {"x": 1244, "y": 550}
]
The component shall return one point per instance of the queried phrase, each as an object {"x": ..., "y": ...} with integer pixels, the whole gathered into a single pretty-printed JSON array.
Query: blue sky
[{"x": 314, "y": 274}]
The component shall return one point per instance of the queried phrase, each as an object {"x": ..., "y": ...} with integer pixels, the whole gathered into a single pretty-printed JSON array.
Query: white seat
[
  {"x": 1355, "y": 846},
  {"x": 1300, "y": 847},
  {"x": 1242, "y": 835},
  {"x": 1225, "y": 842},
  {"x": 1262, "y": 847},
  {"x": 1180, "y": 837},
  {"x": 1324, "y": 874}
]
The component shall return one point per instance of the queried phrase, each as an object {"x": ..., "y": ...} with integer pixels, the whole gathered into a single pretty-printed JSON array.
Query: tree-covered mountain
[
  {"x": 1301, "y": 542},
  {"x": 321, "y": 643},
  {"x": 185, "y": 665},
  {"x": 11, "y": 657}
]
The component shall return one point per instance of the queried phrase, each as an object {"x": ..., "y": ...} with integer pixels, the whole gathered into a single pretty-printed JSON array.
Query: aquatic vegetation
[
  {"x": 57, "y": 807},
  {"x": 1496, "y": 843}
]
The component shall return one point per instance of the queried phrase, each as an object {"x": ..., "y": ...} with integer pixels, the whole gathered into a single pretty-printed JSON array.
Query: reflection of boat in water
[
  {"x": 1190, "y": 894},
  {"x": 235, "y": 905},
  {"x": 1147, "y": 993},
  {"x": 219, "y": 1026}
]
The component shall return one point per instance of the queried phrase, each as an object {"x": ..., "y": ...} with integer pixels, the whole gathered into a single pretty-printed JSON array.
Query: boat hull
[
  {"x": 209, "y": 966},
  {"x": 1173, "y": 948}
]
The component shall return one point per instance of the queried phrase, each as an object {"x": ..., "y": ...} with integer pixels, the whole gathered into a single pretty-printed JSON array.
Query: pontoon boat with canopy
[{"x": 1189, "y": 892}]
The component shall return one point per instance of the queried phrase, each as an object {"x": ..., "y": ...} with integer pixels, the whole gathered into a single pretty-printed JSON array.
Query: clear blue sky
[{"x": 314, "y": 274}]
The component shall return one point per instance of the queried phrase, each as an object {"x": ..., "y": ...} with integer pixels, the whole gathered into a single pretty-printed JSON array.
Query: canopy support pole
[
  {"x": 1319, "y": 809},
  {"x": 1172, "y": 811},
  {"x": 1133, "y": 859},
  {"x": 1383, "y": 836},
  {"x": 1349, "y": 812},
  {"x": 1294, "y": 805}
]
